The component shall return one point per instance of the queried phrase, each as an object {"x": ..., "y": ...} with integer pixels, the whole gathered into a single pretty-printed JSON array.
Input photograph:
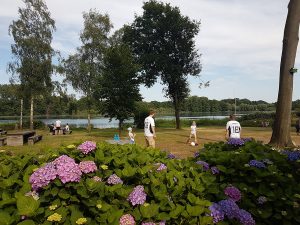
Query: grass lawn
[{"x": 167, "y": 139}]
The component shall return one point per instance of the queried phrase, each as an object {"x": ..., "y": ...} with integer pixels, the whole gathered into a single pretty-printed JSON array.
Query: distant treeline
[{"x": 65, "y": 104}]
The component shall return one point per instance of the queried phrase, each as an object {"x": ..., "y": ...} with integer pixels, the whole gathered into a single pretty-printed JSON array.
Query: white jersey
[
  {"x": 148, "y": 124},
  {"x": 57, "y": 123},
  {"x": 193, "y": 129},
  {"x": 234, "y": 129}
]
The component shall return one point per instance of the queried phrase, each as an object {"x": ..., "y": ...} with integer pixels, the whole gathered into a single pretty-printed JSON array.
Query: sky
[{"x": 240, "y": 42}]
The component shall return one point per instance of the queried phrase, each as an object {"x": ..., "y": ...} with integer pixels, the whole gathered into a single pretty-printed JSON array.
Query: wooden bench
[
  {"x": 33, "y": 139},
  {"x": 2, "y": 141},
  {"x": 19, "y": 138}
]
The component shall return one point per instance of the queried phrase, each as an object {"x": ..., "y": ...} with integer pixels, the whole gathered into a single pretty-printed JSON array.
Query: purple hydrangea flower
[
  {"x": 257, "y": 164},
  {"x": 137, "y": 196},
  {"x": 216, "y": 212},
  {"x": 87, "y": 166},
  {"x": 214, "y": 170},
  {"x": 67, "y": 169},
  {"x": 114, "y": 179},
  {"x": 237, "y": 142},
  {"x": 292, "y": 155},
  {"x": 162, "y": 223},
  {"x": 233, "y": 193},
  {"x": 171, "y": 156},
  {"x": 230, "y": 208},
  {"x": 205, "y": 165},
  {"x": 245, "y": 218},
  {"x": 43, "y": 176},
  {"x": 161, "y": 167},
  {"x": 127, "y": 219},
  {"x": 87, "y": 146},
  {"x": 261, "y": 200},
  {"x": 196, "y": 154}
]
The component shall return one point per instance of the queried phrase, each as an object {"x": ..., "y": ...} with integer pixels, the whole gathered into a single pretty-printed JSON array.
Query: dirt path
[{"x": 175, "y": 140}]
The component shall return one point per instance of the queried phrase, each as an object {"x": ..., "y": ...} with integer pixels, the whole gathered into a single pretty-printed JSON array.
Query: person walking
[
  {"x": 149, "y": 130},
  {"x": 233, "y": 128},
  {"x": 193, "y": 133}
]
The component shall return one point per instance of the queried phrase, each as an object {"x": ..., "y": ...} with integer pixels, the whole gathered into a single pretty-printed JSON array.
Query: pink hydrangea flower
[
  {"x": 127, "y": 219},
  {"x": 87, "y": 147},
  {"x": 87, "y": 166},
  {"x": 137, "y": 196}
]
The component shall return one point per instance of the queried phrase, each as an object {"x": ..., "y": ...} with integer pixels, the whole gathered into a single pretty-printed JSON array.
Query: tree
[
  {"x": 83, "y": 68},
  {"x": 281, "y": 136},
  {"x": 32, "y": 51},
  {"x": 162, "y": 41},
  {"x": 119, "y": 85}
]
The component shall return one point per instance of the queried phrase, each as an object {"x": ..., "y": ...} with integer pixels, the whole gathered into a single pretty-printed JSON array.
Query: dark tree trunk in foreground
[{"x": 281, "y": 136}]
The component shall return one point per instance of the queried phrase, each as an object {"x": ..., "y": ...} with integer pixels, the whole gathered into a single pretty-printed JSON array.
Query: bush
[
  {"x": 269, "y": 182},
  {"x": 145, "y": 185}
]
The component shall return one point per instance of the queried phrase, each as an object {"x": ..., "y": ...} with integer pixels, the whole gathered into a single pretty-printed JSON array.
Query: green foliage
[
  {"x": 162, "y": 39},
  {"x": 278, "y": 182},
  {"x": 119, "y": 83},
  {"x": 140, "y": 113},
  {"x": 32, "y": 34},
  {"x": 181, "y": 194}
]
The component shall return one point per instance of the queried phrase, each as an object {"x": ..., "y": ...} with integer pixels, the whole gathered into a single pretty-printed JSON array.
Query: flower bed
[{"x": 226, "y": 183}]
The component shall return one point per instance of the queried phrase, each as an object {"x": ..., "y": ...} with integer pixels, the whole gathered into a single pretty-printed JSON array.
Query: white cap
[{"x": 129, "y": 129}]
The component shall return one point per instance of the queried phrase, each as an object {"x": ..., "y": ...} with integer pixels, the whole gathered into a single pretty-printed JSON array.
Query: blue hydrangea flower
[
  {"x": 214, "y": 170},
  {"x": 237, "y": 142},
  {"x": 216, "y": 213},
  {"x": 204, "y": 164},
  {"x": 171, "y": 156},
  {"x": 245, "y": 218},
  {"x": 230, "y": 208},
  {"x": 292, "y": 155},
  {"x": 257, "y": 164}
]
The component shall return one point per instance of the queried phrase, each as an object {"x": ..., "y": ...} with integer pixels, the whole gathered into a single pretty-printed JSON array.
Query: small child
[
  {"x": 193, "y": 133},
  {"x": 131, "y": 135}
]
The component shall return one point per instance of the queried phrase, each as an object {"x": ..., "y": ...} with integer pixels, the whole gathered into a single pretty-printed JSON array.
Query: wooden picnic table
[{"x": 18, "y": 138}]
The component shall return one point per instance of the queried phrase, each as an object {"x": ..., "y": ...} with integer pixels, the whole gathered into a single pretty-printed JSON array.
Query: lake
[{"x": 103, "y": 122}]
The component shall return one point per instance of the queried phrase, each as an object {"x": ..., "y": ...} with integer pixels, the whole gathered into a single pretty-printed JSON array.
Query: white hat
[{"x": 129, "y": 129}]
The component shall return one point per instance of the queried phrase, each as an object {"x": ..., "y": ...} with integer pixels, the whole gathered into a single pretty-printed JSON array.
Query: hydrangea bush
[
  {"x": 267, "y": 179},
  {"x": 112, "y": 184}
]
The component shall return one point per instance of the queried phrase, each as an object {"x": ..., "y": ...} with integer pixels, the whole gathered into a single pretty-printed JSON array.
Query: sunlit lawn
[{"x": 168, "y": 139}]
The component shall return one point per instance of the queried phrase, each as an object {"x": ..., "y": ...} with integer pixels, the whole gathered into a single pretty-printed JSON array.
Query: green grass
[{"x": 168, "y": 139}]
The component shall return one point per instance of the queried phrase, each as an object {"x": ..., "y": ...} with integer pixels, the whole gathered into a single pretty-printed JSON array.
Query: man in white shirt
[
  {"x": 233, "y": 128},
  {"x": 149, "y": 130},
  {"x": 57, "y": 126}
]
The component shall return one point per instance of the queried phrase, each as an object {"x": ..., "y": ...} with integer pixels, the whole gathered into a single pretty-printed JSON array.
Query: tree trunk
[
  {"x": 89, "y": 128},
  {"x": 120, "y": 127},
  {"x": 31, "y": 113},
  {"x": 21, "y": 115},
  {"x": 281, "y": 136},
  {"x": 177, "y": 112}
]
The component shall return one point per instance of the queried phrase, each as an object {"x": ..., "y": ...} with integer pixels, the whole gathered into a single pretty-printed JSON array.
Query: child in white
[
  {"x": 233, "y": 128},
  {"x": 131, "y": 135},
  {"x": 193, "y": 132}
]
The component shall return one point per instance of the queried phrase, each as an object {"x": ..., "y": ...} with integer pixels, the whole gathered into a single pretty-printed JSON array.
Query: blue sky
[{"x": 240, "y": 41}]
